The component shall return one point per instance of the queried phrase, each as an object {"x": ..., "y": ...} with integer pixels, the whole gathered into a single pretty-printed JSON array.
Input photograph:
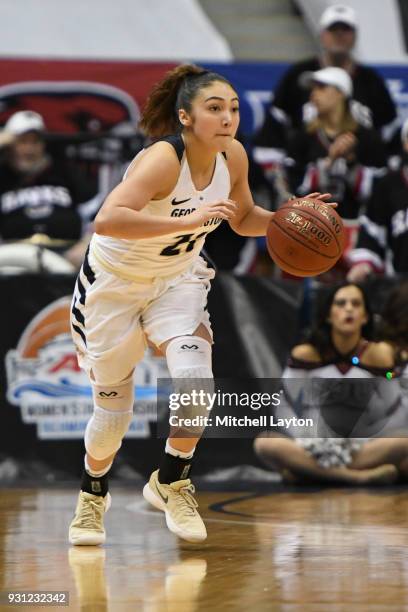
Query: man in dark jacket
[{"x": 372, "y": 104}]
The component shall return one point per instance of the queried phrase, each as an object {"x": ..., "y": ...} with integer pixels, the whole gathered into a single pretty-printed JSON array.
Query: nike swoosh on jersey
[{"x": 177, "y": 202}]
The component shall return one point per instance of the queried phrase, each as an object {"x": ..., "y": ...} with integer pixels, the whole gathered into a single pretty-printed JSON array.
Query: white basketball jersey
[{"x": 171, "y": 254}]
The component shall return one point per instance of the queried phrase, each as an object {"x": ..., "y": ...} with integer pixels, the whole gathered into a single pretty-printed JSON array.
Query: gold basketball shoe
[
  {"x": 87, "y": 528},
  {"x": 177, "y": 501}
]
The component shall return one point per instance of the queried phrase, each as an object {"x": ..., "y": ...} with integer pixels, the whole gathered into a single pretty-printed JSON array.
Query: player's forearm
[
  {"x": 128, "y": 224},
  {"x": 255, "y": 223}
]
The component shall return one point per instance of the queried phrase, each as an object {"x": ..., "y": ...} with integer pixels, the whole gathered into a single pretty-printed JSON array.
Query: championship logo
[{"x": 45, "y": 381}]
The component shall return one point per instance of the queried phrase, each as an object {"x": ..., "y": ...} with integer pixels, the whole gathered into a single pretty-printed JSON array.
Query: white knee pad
[
  {"x": 189, "y": 363},
  {"x": 111, "y": 419},
  {"x": 119, "y": 396},
  {"x": 189, "y": 357}
]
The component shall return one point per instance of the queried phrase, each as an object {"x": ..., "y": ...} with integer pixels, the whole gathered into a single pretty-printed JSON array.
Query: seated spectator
[
  {"x": 339, "y": 349},
  {"x": 334, "y": 153},
  {"x": 372, "y": 104},
  {"x": 394, "y": 326},
  {"x": 384, "y": 225},
  {"x": 394, "y": 330},
  {"x": 40, "y": 200}
]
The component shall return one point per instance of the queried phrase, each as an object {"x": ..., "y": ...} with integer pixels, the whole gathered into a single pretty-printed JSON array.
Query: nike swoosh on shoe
[{"x": 165, "y": 499}]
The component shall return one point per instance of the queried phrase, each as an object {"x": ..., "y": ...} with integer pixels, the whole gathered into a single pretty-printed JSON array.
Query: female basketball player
[
  {"x": 338, "y": 349},
  {"x": 144, "y": 278}
]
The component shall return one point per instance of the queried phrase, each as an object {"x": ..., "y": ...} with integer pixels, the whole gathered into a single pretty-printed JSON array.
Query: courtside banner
[
  {"x": 42, "y": 381},
  {"x": 95, "y": 96},
  {"x": 45, "y": 399},
  {"x": 45, "y": 396}
]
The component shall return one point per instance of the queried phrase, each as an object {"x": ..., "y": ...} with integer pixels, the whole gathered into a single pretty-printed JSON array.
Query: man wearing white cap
[
  {"x": 384, "y": 225},
  {"x": 372, "y": 103},
  {"x": 23, "y": 122},
  {"x": 40, "y": 198}
]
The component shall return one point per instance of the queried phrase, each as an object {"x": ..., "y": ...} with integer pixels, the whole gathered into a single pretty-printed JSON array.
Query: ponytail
[{"x": 176, "y": 90}]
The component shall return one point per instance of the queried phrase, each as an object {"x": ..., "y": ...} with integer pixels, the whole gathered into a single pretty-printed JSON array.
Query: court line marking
[
  {"x": 219, "y": 506},
  {"x": 141, "y": 507}
]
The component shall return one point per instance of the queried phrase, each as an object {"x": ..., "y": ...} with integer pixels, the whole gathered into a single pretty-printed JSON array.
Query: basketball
[{"x": 305, "y": 237}]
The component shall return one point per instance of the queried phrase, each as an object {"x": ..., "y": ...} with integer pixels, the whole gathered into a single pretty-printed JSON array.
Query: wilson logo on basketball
[
  {"x": 303, "y": 226},
  {"x": 44, "y": 379},
  {"x": 322, "y": 209}
]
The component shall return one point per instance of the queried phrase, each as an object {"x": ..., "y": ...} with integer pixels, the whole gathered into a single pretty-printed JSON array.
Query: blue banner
[{"x": 255, "y": 83}]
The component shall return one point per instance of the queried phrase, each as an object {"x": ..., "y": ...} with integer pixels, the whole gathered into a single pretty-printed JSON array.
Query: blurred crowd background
[{"x": 330, "y": 121}]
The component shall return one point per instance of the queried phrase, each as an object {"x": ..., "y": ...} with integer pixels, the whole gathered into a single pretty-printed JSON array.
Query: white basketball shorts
[{"x": 112, "y": 317}]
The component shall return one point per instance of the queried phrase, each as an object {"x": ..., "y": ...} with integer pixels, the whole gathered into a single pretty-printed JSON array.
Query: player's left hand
[{"x": 316, "y": 195}]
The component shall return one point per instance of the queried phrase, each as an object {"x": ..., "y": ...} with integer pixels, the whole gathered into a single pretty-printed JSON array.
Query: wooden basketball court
[{"x": 289, "y": 549}]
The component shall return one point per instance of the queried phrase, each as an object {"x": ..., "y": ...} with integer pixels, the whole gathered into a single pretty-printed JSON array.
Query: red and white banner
[{"x": 77, "y": 96}]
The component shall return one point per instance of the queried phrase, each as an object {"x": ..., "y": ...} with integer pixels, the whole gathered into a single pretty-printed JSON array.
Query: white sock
[
  {"x": 177, "y": 453},
  {"x": 93, "y": 472}
]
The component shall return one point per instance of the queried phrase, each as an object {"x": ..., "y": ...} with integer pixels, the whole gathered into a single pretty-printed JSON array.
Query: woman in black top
[{"x": 334, "y": 152}]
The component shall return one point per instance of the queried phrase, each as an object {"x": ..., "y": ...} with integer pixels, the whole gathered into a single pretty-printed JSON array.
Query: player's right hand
[
  {"x": 323, "y": 197},
  {"x": 220, "y": 209}
]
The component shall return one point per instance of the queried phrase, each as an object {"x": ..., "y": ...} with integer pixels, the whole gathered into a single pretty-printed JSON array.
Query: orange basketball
[{"x": 305, "y": 237}]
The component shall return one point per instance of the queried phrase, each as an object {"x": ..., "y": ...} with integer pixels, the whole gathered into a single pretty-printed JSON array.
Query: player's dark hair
[
  {"x": 320, "y": 334},
  {"x": 394, "y": 317},
  {"x": 176, "y": 90}
]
